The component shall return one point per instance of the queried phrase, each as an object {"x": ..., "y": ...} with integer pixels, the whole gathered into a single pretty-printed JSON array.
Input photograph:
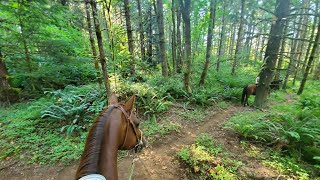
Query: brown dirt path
[{"x": 159, "y": 162}]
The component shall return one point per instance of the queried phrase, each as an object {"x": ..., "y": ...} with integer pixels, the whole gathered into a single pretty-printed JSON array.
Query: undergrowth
[
  {"x": 205, "y": 158},
  {"x": 291, "y": 126}
]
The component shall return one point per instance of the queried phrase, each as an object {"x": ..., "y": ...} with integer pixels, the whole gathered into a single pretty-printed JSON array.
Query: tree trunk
[
  {"x": 221, "y": 42},
  {"x": 266, "y": 74},
  {"x": 3, "y": 72},
  {"x": 232, "y": 38},
  {"x": 142, "y": 48},
  {"x": 306, "y": 4},
  {"x": 237, "y": 53},
  {"x": 185, "y": 10},
  {"x": 283, "y": 44},
  {"x": 179, "y": 48},
  {"x": 262, "y": 43},
  {"x": 129, "y": 35},
  {"x": 213, "y": 5},
  {"x": 149, "y": 47},
  {"x": 306, "y": 72},
  {"x": 162, "y": 39},
  {"x": 173, "y": 40},
  {"x": 92, "y": 43},
  {"x": 312, "y": 36},
  {"x": 100, "y": 46},
  {"x": 317, "y": 72}
]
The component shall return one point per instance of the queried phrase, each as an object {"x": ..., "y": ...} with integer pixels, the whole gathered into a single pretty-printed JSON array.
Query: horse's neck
[{"x": 108, "y": 159}]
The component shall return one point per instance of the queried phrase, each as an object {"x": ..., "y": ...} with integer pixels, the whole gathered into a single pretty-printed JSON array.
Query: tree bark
[
  {"x": 185, "y": 10},
  {"x": 311, "y": 58},
  {"x": 3, "y": 72},
  {"x": 173, "y": 39},
  {"x": 129, "y": 35},
  {"x": 221, "y": 42},
  {"x": 237, "y": 53},
  {"x": 292, "y": 58},
  {"x": 141, "y": 31},
  {"x": 283, "y": 44},
  {"x": 102, "y": 56},
  {"x": 305, "y": 6},
  {"x": 316, "y": 73},
  {"x": 213, "y": 5},
  {"x": 92, "y": 43},
  {"x": 232, "y": 38},
  {"x": 312, "y": 36},
  {"x": 162, "y": 38},
  {"x": 266, "y": 74},
  {"x": 179, "y": 48},
  {"x": 149, "y": 32}
]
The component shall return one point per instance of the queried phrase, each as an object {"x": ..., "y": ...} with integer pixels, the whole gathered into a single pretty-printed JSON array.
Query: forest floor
[{"x": 159, "y": 161}]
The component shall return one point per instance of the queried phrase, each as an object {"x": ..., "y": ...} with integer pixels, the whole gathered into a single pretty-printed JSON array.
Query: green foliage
[
  {"x": 151, "y": 128},
  {"x": 25, "y": 136},
  {"x": 74, "y": 110},
  {"x": 288, "y": 166},
  {"x": 202, "y": 158},
  {"x": 293, "y": 128}
]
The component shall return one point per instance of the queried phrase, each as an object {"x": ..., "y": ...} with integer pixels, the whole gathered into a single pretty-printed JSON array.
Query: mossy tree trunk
[
  {"x": 266, "y": 74},
  {"x": 213, "y": 5},
  {"x": 92, "y": 43},
  {"x": 102, "y": 56},
  {"x": 185, "y": 11}
]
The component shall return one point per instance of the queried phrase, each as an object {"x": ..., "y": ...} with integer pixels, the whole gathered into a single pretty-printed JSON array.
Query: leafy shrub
[
  {"x": 287, "y": 128},
  {"x": 202, "y": 159},
  {"x": 74, "y": 110}
]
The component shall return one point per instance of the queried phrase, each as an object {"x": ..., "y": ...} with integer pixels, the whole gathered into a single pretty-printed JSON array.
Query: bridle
[{"x": 128, "y": 118}]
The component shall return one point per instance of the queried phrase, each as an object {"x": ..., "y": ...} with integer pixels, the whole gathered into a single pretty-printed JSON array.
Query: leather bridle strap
[{"x": 128, "y": 120}]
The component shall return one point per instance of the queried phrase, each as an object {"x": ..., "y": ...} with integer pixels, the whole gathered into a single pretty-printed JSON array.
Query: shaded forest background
[{"x": 60, "y": 59}]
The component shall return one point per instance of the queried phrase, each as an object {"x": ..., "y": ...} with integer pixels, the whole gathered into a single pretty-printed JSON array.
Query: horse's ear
[
  {"x": 130, "y": 103},
  {"x": 113, "y": 99}
]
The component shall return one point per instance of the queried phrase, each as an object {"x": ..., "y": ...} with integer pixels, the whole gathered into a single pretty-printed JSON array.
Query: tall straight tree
[
  {"x": 185, "y": 11},
  {"x": 162, "y": 43},
  {"x": 283, "y": 44},
  {"x": 141, "y": 31},
  {"x": 179, "y": 48},
  {"x": 305, "y": 6},
  {"x": 311, "y": 58},
  {"x": 213, "y": 5},
  {"x": 129, "y": 35},
  {"x": 312, "y": 35},
  {"x": 102, "y": 55},
  {"x": 149, "y": 34},
  {"x": 266, "y": 74},
  {"x": 92, "y": 43},
  {"x": 173, "y": 40},
  {"x": 237, "y": 53},
  {"x": 221, "y": 41}
]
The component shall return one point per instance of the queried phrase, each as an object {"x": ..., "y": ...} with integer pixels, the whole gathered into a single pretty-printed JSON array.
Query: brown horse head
[{"x": 115, "y": 128}]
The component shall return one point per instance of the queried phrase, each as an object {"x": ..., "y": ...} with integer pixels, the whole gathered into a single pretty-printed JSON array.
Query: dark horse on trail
[
  {"x": 115, "y": 128},
  {"x": 251, "y": 90}
]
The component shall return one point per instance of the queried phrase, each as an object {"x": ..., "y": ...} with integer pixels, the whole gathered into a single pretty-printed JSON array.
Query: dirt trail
[{"x": 159, "y": 162}]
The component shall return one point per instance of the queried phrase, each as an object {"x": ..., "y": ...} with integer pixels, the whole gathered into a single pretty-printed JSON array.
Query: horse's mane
[{"x": 90, "y": 158}]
